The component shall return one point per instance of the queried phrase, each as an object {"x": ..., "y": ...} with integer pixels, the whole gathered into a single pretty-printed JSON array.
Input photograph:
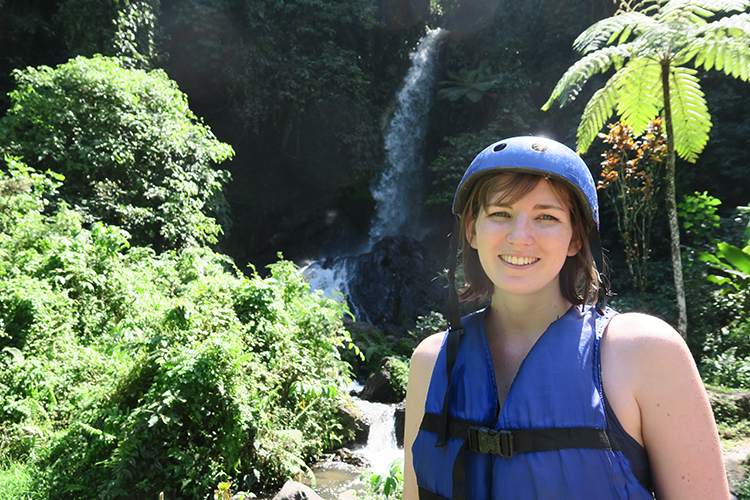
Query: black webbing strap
[
  {"x": 595, "y": 244},
  {"x": 509, "y": 442},
  {"x": 506, "y": 443},
  {"x": 454, "y": 333}
]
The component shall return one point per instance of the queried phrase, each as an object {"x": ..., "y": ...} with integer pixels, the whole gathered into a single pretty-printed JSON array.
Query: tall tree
[{"x": 656, "y": 49}]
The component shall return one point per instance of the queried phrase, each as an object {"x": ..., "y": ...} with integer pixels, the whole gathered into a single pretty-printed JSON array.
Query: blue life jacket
[{"x": 552, "y": 438}]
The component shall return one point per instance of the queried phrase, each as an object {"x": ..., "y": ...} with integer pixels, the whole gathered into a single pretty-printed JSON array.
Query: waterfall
[{"x": 398, "y": 194}]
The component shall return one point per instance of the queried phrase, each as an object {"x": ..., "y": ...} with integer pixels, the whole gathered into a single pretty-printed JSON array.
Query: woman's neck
[{"x": 524, "y": 317}]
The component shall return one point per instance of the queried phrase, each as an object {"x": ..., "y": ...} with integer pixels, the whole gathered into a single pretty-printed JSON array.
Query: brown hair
[{"x": 579, "y": 279}]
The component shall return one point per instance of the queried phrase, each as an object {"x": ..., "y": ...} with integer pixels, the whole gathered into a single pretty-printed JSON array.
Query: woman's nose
[{"x": 520, "y": 233}]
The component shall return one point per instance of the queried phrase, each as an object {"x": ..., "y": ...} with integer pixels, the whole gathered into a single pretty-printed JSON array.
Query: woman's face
[{"x": 522, "y": 246}]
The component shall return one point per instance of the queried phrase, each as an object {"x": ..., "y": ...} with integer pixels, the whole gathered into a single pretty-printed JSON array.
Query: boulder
[
  {"x": 378, "y": 387},
  {"x": 351, "y": 418},
  {"x": 293, "y": 490},
  {"x": 391, "y": 284}
]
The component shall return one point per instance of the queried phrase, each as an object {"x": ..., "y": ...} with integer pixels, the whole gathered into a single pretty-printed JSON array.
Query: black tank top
[{"x": 631, "y": 448}]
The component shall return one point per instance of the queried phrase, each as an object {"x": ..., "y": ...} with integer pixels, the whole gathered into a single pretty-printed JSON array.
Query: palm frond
[
  {"x": 690, "y": 117},
  {"x": 577, "y": 75},
  {"x": 737, "y": 27},
  {"x": 697, "y": 10},
  {"x": 641, "y": 95},
  {"x": 606, "y": 31},
  {"x": 597, "y": 111}
]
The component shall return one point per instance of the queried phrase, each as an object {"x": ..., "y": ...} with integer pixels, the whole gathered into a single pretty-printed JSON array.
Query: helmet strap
[
  {"x": 602, "y": 290},
  {"x": 455, "y": 332}
]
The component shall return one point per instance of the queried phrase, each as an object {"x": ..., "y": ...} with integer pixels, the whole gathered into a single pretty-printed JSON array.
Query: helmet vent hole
[
  {"x": 538, "y": 147},
  {"x": 499, "y": 147}
]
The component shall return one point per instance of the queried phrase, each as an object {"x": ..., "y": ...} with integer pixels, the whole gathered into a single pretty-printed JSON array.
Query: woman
[{"x": 544, "y": 394}]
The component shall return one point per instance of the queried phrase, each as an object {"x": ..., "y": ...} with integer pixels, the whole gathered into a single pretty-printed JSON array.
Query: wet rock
[
  {"x": 378, "y": 387},
  {"x": 348, "y": 495},
  {"x": 347, "y": 456},
  {"x": 293, "y": 490},
  {"x": 394, "y": 281},
  {"x": 351, "y": 418},
  {"x": 400, "y": 416}
]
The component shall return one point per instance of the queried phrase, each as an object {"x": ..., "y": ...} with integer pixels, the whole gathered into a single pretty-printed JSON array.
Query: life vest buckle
[{"x": 486, "y": 440}]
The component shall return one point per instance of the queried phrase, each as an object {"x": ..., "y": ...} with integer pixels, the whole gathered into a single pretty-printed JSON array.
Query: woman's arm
[
  {"x": 648, "y": 363},
  {"x": 420, "y": 373}
]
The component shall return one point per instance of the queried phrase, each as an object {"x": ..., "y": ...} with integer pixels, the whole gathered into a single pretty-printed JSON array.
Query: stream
[{"x": 334, "y": 477}]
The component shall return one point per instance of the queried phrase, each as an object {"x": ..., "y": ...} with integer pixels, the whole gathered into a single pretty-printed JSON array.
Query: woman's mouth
[{"x": 518, "y": 261}]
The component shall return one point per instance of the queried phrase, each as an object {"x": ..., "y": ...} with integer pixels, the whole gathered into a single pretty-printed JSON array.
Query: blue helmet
[{"x": 533, "y": 155}]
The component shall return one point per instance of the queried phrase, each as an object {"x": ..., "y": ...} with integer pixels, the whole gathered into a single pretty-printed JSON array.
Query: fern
[
  {"x": 598, "y": 62},
  {"x": 690, "y": 116},
  {"x": 606, "y": 31},
  {"x": 639, "y": 102},
  {"x": 596, "y": 113}
]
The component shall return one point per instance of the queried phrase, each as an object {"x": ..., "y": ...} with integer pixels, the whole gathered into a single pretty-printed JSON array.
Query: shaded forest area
[{"x": 303, "y": 90}]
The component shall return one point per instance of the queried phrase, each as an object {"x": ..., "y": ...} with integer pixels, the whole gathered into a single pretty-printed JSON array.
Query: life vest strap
[{"x": 508, "y": 442}]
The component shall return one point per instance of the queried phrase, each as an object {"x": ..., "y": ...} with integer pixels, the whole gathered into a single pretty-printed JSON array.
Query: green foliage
[
  {"x": 124, "y": 373},
  {"x": 399, "y": 370},
  {"x": 699, "y": 217},
  {"x": 472, "y": 84},
  {"x": 118, "y": 28},
  {"x": 131, "y": 151},
  {"x": 734, "y": 266},
  {"x": 383, "y": 486}
]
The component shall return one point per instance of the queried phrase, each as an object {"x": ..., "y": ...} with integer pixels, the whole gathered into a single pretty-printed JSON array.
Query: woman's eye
[
  {"x": 498, "y": 214},
  {"x": 549, "y": 217}
]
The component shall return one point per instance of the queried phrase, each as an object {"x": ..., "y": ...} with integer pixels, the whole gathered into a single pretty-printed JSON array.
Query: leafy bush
[
  {"x": 132, "y": 152},
  {"x": 124, "y": 373},
  {"x": 382, "y": 486}
]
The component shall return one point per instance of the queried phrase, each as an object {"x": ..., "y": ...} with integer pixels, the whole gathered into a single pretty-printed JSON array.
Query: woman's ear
[
  {"x": 575, "y": 246},
  {"x": 471, "y": 236}
]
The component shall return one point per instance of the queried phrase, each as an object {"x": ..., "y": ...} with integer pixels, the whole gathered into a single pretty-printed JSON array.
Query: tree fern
[
  {"x": 597, "y": 62},
  {"x": 663, "y": 35},
  {"x": 641, "y": 98},
  {"x": 690, "y": 115},
  {"x": 597, "y": 111},
  {"x": 606, "y": 31}
]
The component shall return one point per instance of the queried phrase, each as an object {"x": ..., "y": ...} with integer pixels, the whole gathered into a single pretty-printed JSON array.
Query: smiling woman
[{"x": 547, "y": 392}]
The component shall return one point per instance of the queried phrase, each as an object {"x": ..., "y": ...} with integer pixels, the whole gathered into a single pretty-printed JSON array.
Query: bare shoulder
[
  {"x": 650, "y": 363},
  {"x": 638, "y": 327},
  {"x": 427, "y": 351},
  {"x": 642, "y": 338},
  {"x": 420, "y": 374}
]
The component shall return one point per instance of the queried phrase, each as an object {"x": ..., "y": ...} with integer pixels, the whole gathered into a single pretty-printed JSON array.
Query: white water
[
  {"x": 333, "y": 478},
  {"x": 398, "y": 195},
  {"x": 381, "y": 449}
]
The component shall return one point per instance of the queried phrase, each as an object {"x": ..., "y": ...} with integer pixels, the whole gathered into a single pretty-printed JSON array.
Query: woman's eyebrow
[{"x": 542, "y": 206}]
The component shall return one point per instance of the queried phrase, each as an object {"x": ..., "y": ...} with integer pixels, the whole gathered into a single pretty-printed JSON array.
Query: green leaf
[
  {"x": 690, "y": 115},
  {"x": 738, "y": 258}
]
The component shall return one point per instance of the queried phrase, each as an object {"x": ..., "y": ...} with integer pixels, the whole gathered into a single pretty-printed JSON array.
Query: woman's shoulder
[
  {"x": 427, "y": 351},
  {"x": 643, "y": 331}
]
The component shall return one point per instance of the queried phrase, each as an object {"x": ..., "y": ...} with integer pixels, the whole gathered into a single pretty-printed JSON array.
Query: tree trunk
[{"x": 671, "y": 201}]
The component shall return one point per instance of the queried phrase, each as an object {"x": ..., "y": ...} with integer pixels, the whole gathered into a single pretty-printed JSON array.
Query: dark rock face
[
  {"x": 392, "y": 283},
  {"x": 400, "y": 415},
  {"x": 378, "y": 387}
]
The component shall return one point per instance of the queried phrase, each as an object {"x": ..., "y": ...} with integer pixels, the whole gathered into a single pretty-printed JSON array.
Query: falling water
[
  {"x": 333, "y": 478},
  {"x": 398, "y": 194}
]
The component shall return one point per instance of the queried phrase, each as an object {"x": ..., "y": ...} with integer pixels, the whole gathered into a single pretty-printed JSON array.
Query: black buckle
[{"x": 486, "y": 440}]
